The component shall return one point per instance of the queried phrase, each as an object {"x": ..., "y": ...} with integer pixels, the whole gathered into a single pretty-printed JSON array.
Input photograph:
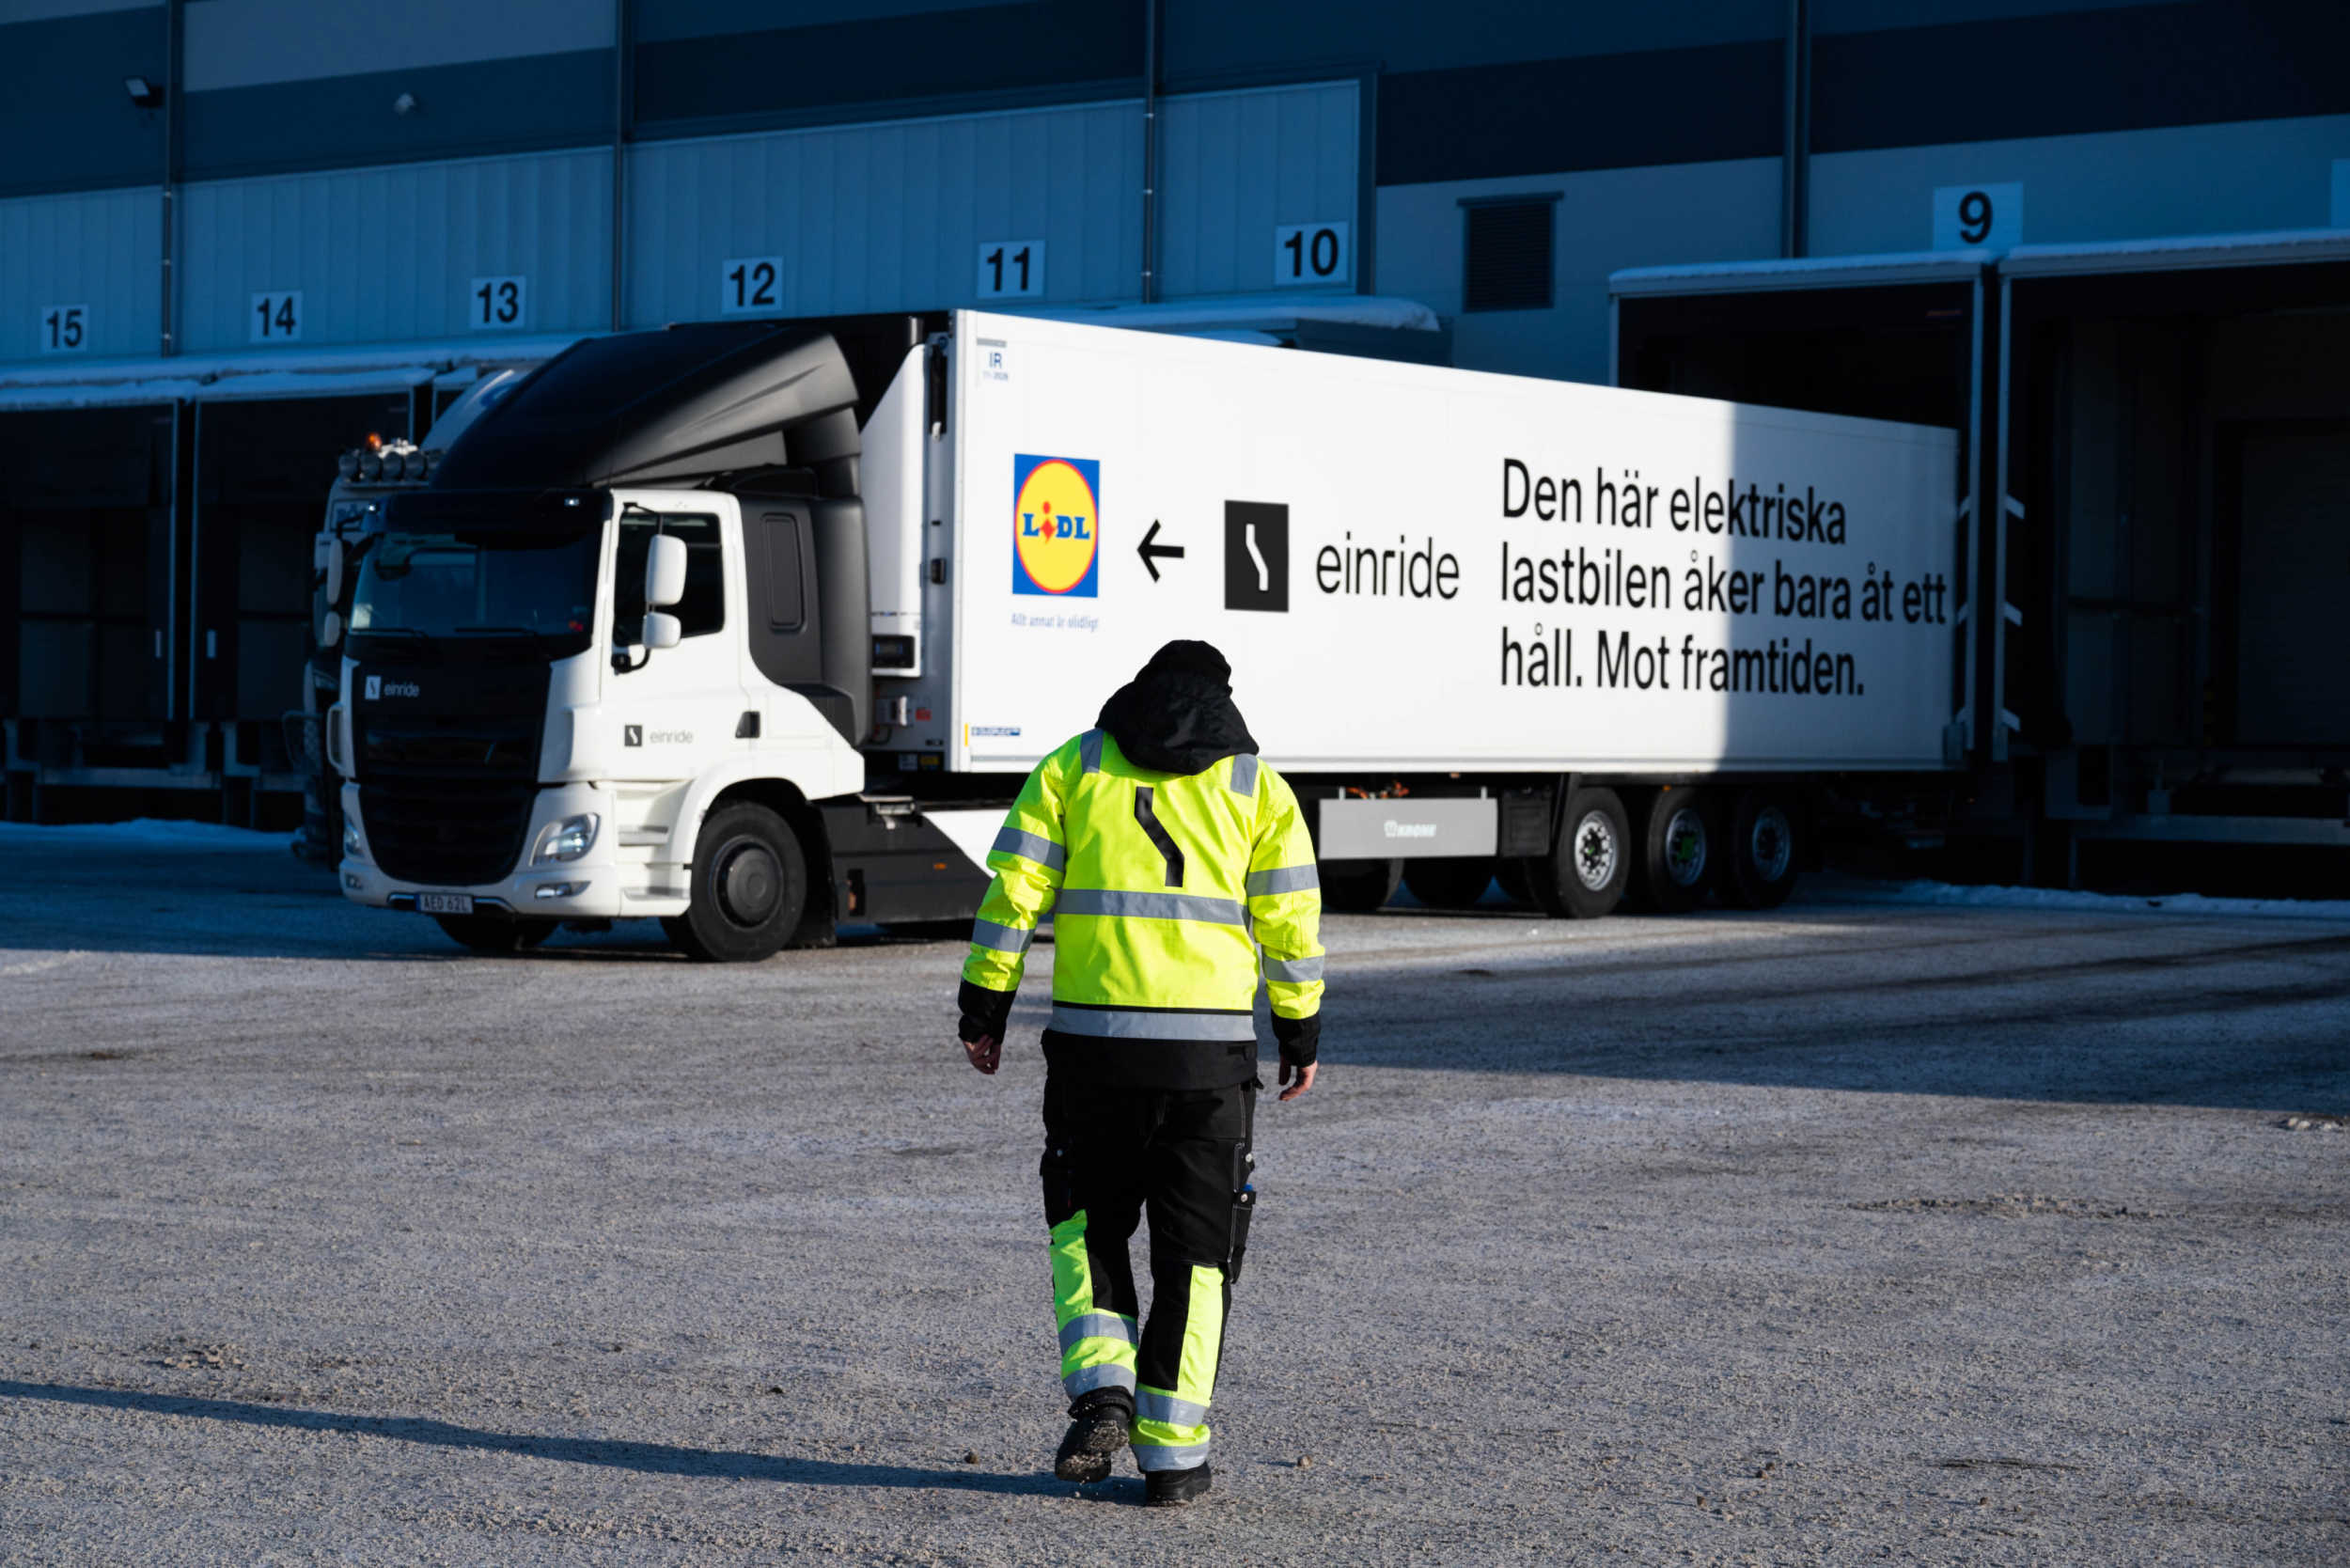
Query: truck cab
[{"x": 596, "y": 699}]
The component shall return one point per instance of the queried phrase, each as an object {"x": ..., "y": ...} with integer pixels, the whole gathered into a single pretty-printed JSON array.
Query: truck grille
[{"x": 454, "y": 836}]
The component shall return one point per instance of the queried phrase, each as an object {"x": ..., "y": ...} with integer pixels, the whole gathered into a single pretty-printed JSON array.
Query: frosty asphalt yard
[{"x": 1866, "y": 1231}]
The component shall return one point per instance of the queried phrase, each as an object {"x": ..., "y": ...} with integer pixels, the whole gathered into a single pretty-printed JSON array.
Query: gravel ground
[{"x": 1858, "y": 1231}]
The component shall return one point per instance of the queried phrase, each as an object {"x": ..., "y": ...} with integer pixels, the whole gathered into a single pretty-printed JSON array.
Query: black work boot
[
  {"x": 1100, "y": 1423},
  {"x": 1174, "y": 1489}
]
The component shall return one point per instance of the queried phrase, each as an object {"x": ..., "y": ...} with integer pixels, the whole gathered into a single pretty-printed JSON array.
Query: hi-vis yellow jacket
[{"x": 1162, "y": 888}]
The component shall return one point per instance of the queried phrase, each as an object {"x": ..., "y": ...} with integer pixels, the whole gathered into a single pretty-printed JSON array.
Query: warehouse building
[{"x": 2103, "y": 239}]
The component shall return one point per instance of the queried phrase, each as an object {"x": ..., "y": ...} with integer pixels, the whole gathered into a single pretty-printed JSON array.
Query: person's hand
[
  {"x": 1305, "y": 1076},
  {"x": 987, "y": 1054}
]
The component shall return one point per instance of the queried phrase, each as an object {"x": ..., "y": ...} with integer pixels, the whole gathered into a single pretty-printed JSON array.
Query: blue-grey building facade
[{"x": 235, "y": 235}]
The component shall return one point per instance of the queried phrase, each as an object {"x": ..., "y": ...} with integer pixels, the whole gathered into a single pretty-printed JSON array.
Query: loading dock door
[
  {"x": 1897, "y": 337},
  {"x": 263, "y": 469},
  {"x": 85, "y": 572},
  {"x": 2294, "y": 585}
]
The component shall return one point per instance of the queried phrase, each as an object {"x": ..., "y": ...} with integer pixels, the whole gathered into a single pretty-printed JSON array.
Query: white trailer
[{"x": 753, "y": 631}]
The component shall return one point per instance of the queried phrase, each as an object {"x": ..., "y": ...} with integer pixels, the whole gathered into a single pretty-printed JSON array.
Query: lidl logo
[{"x": 1057, "y": 526}]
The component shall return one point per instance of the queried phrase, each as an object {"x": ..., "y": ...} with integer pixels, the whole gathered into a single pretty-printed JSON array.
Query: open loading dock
[{"x": 2170, "y": 436}]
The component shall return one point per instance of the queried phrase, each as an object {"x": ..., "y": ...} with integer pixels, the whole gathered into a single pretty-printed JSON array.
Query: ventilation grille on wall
[{"x": 1508, "y": 264}]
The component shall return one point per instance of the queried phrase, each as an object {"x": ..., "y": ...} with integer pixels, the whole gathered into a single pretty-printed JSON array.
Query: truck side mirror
[
  {"x": 665, "y": 577},
  {"x": 331, "y": 629},
  {"x": 662, "y": 629},
  {"x": 334, "y": 554}
]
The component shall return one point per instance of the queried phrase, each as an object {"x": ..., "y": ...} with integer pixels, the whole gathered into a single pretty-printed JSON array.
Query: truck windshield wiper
[{"x": 530, "y": 632}]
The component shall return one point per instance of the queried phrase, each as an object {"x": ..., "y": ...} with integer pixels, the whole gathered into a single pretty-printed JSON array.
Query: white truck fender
[{"x": 816, "y": 774}]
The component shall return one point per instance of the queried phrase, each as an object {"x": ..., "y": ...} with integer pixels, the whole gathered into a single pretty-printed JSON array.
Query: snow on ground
[{"x": 147, "y": 832}]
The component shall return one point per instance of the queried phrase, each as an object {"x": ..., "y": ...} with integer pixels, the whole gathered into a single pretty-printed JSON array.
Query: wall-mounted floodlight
[
  {"x": 144, "y": 93},
  {"x": 404, "y": 104}
]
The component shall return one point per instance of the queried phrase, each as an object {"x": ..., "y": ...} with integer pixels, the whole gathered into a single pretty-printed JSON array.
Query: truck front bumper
[{"x": 587, "y": 888}]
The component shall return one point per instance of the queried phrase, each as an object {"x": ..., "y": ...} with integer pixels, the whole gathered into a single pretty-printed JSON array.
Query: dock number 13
[{"x": 499, "y": 302}]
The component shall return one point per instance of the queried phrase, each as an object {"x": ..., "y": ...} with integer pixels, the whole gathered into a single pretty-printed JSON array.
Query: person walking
[{"x": 1168, "y": 854}]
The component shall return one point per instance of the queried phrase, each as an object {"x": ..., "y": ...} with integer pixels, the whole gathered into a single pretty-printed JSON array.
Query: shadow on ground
[{"x": 649, "y": 1458}]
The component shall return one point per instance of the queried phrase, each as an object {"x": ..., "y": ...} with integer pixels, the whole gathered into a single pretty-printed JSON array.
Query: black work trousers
[{"x": 1113, "y": 1152}]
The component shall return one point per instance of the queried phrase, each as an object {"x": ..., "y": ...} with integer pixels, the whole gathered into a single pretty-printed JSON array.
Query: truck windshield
[{"x": 535, "y": 586}]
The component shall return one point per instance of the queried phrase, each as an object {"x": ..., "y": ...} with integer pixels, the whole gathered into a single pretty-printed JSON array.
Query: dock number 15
[{"x": 65, "y": 329}]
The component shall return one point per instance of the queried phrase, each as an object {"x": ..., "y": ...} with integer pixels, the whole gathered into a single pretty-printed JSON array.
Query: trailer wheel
[
  {"x": 486, "y": 933},
  {"x": 1584, "y": 875},
  {"x": 1450, "y": 882},
  {"x": 1765, "y": 848},
  {"x": 1680, "y": 851},
  {"x": 1359, "y": 886},
  {"x": 748, "y": 887}
]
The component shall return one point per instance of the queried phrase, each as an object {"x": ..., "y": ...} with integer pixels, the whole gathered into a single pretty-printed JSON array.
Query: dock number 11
[{"x": 1011, "y": 268}]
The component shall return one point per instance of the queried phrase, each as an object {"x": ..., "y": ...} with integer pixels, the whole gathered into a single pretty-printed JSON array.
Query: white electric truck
[{"x": 755, "y": 629}]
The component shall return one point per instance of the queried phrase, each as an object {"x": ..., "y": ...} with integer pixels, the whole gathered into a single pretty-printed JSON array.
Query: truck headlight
[
  {"x": 567, "y": 840},
  {"x": 353, "y": 845}
]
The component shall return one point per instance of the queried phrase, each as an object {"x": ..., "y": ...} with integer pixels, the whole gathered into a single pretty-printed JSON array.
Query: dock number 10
[
  {"x": 1011, "y": 268},
  {"x": 1309, "y": 253}
]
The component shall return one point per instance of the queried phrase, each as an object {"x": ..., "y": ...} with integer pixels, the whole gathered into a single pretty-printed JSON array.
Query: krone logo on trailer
[{"x": 1057, "y": 527}]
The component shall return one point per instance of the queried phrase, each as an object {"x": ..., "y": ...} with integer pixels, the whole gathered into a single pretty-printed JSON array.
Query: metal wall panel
[
  {"x": 891, "y": 216},
  {"x": 102, "y": 250},
  {"x": 1235, "y": 165},
  {"x": 383, "y": 255}
]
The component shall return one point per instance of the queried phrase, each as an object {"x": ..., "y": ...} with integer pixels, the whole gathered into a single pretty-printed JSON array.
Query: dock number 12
[{"x": 1309, "y": 253}]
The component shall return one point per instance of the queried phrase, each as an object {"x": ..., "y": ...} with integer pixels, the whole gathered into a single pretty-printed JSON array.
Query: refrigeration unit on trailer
[{"x": 756, "y": 629}]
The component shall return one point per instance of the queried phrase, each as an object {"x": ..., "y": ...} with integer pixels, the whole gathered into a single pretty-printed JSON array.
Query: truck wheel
[
  {"x": 1680, "y": 851},
  {"x": 486, "y": 933},
  {"x": 1450, "y": 882},
  {"x": 1359, "y": 886},
  {"x": 1584, "y": 874},
  {"x": 1762, "y": 858},
  {"x": 749, "y": 887}
]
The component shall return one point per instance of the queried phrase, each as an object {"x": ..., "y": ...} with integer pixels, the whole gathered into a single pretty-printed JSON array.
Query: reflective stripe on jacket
[{"x": 1162, "y": 888}]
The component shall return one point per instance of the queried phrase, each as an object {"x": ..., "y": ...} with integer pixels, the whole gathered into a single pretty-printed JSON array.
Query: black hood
[{"x": 1176, "y": 715}]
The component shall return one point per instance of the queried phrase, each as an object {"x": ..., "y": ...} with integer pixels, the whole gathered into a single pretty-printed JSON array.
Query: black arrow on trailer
[{"x": 1149, "y": 551}]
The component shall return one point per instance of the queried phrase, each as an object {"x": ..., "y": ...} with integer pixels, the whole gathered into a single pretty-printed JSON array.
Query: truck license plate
[{"x": 445, "y": 903}]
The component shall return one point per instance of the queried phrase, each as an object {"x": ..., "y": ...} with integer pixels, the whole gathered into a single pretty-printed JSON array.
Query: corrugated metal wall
[
  {"x": 878, "y": 217},
  {"x": 862, "y": 217},
  {"x": 102, "y": 251},
  {"x": 383, "y": 255},
  {"x": 1238, "y": 166}
]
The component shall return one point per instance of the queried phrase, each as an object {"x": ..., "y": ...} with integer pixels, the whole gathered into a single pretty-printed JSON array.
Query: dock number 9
[
  {"x": 1965, "y": 215},
  {"x": 1309, "y": 253}
]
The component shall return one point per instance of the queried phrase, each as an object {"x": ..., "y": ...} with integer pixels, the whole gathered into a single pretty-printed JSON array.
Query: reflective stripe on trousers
[
  {"x": 1097, "y": 1348},
  {"x": 1172, "y": 1424}
]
